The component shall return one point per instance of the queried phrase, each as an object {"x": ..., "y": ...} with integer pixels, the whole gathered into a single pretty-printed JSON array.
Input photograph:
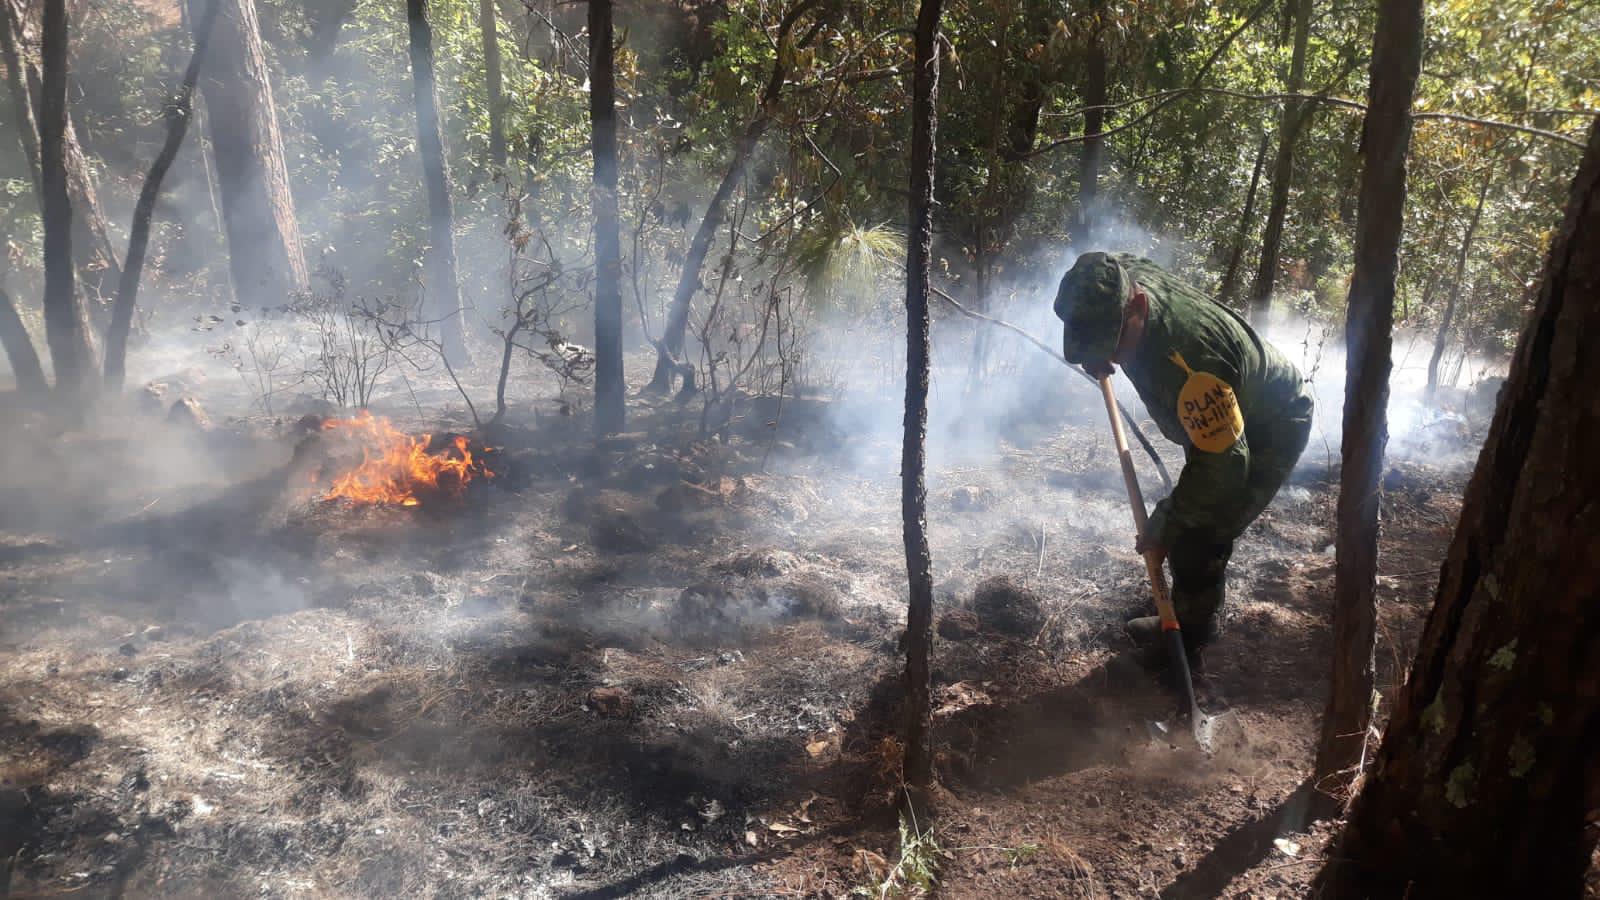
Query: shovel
[{"x": 1210, "y": 732}]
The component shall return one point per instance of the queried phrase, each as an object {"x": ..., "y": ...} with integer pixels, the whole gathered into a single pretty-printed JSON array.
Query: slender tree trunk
[
  {"x": 1294, "y": 115},
  {"x": 1443, "y": 337},
  {"x": 1386, "y": 139},
  {"x": 17, "y": 87},
  {"x": 66, "y": 325},
  {"x": 441, "y": 287},
  {"x": 1230, "y": 275},
  {"x": 178, "y": 114},
  {"x": 327, "y": 25},
  {"x": 265, "y": 257},
  {"x": 669, "y": 350},
  {"x": 1094, "y": 97},
  {"x": 19, "y": 350},
  {"x": 1433, "y": 276},
  {"x": 93, "y": 254},
  {"x": 491, "y": 65},
  {"x": 913, "y": 487},
  {"x": 1485, "y": 785},
  {"x": 609, "y": 411}
]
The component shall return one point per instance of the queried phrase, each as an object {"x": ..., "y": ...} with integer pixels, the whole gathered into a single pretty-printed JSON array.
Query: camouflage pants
[{"x": 1199, "y": 557}]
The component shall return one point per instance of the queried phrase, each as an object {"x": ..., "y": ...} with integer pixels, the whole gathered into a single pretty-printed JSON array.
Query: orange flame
[{"x": 398, "y": 468}]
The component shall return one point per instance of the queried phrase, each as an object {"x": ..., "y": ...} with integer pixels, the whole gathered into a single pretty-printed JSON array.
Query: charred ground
[{"x": 659, "y": 667}]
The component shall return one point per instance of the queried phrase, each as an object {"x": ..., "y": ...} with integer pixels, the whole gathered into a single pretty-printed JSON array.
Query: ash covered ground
[{"x": 665, "y": 667}]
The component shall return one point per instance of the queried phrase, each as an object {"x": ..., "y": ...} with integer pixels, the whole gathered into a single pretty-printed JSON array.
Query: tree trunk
[
  {"x": 1230, "y": 275},
  {"x": 491, "y": 65},
  {"x": 178, "y": 114},
  {"x": 17, "y": 86},
  {"x": 19, "y": 350},
  {"x": 327, "y": 22},
  {"x": 1433, "y": 276},
  {"x": 93, "y": 254},
  {"x": 1485, "y": 784},
  {"x": 265, "y": 257},
  {"x": 1386, "y": 138},
  {"x": 609, "y": 412},
  {"x": 1094, "y": 117},
  {"x": 1443, "y": 337},
  {"x": 441, "y": 288},
  {"x": 1294, "y": 115},
  {"x": 913, "y": 487},
  {"x": 66, "y": 325},
  {"x": 669, "y": 350}
]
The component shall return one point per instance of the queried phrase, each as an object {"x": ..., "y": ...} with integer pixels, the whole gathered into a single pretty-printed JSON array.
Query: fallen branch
[{"x": 1144, "y": 442}]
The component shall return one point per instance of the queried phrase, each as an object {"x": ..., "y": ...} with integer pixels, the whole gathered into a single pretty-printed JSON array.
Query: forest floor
[{"x": 662, "y": 668}]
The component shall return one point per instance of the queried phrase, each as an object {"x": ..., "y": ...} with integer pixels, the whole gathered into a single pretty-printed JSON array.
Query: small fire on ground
[{"x": 401, "y": 469}]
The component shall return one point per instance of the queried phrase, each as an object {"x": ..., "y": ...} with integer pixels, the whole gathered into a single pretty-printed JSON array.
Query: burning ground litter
[{"x": 653, "y": 669}]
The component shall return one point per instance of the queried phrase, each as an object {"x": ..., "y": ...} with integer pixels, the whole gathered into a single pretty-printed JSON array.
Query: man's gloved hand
[
  {"x": 1147, "y": 546},
  {"x": 1099, "y": 369}
]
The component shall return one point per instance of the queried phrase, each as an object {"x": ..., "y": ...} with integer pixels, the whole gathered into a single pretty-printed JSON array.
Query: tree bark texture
[
  {"x": 487, "y": 25},
  {"x": 440, "y": 285},
  {"x": 1230, "y": 275},
  {"x": 1386, "y": 138},
  {"x": 669, "y": 350},
  {"x": 66, "y": 324},
  {"x": 93, "y": 253},
  {"x": 19, "y": 349},
  {"x": 1094, "y": 97},
  {"x": 265, "y": 256},
  {"x": 1443, "y": 337},
  {"x": 1294, "y": 115},
  {"x": 609, "y": 412},
  {"x": 178, "y": 114},
  {"x": 913, "y": 464},
  {"x": 1485, "y": 784}
]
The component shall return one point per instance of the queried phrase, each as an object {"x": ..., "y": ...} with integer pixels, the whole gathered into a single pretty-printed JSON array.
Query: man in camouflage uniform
[{"x": 1240, "y": 410}]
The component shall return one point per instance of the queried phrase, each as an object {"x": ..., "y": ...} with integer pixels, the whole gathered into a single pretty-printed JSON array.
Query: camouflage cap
[{"x": 1090, "y": 303}]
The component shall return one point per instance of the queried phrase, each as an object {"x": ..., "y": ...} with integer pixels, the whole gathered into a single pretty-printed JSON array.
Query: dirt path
[{"x": 652, "y": 671}]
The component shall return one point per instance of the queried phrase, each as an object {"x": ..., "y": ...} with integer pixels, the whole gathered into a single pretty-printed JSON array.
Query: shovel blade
[
  {"x": 1214, "y": 734},
  {"x": 1209, "y": 734}
]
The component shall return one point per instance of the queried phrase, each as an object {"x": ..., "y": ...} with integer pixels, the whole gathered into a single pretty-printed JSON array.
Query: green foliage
[
  {"x": 827, "y": 181},
  {"x": 916, "y": 872}
]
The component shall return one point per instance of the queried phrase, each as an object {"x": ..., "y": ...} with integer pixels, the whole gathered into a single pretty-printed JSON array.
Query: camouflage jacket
[{"x": 1210, "y": 383}]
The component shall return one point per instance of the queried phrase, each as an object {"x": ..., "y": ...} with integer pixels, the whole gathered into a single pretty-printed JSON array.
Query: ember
[{"x": 398, "y": 468}]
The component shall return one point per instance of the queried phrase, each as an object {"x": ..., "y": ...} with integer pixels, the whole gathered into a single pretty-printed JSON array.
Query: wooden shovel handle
[{"x": 1152, "y": 565}]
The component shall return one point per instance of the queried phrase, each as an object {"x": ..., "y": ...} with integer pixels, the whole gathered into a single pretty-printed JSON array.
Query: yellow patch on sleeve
[{"x": 1208, "y": 410}]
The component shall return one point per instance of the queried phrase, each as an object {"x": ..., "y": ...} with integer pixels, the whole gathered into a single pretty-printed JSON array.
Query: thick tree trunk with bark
[
  {"x": 1294, "y": 115},
  {"x": 265, "y": 256},
  {"x": 488, "y": 27},
  {"x": 1443, "y": 337},
  {"x": 1094, "y": 97},
  {"x": 1385, "y": 141},
  {"x": 1485, "y": 784},
  {"x": 20, "y": 351},
  {"x": 913, "y": 459},
  {"x": 1230, "y": 275},
  {"x": 440, "y": 285},
  {"x": 669, "y": 349},
  {"x": 178, "y": 114},
  {"x": 66, "y": 325},
  {"x": 93, "y": 254},
  {"x": 609, "y": 412}
]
